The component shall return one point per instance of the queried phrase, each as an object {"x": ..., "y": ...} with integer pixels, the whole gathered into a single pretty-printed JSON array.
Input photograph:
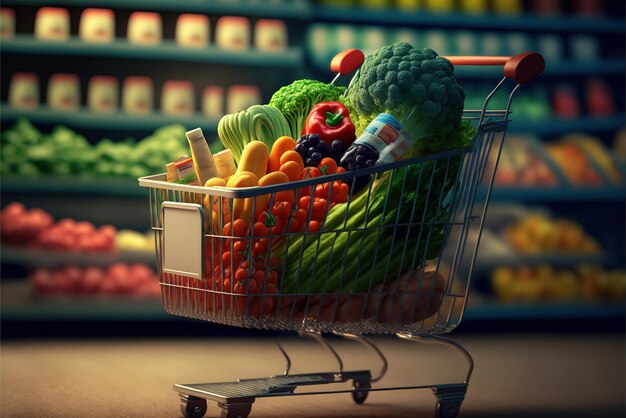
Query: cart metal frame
[{"x": 185, "y": 291}]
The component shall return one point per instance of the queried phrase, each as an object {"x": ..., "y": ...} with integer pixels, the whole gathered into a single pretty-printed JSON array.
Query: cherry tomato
[
  {"x": 340, "y": 170},
  {"x": 305, "y": 203},
  {"x": 301, "y": 215},
  {"x": 314, "y": 226},
  {"x": 238, "y": 228},
  {"x": 240, "y": 246},
  {"x": 327, "y": 166},
  {"x": 260, "y": 230},
  {"x": 318, "y": 211},
  {"x": 282, "y": 210},
  {"x": 241, "y": 274}
]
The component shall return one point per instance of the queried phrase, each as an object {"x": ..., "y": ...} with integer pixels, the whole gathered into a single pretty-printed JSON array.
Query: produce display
[
  {"x": 36, "y": 228},
  {"x": 571, "y": 156},
  {"x": 520, "y": 164},
  {"x": 28, "y": 152},
  {"x": 585, "y": 282},
  {"x": 315, "y": 238},
  {"x": 540, "y": 234},
  {"x": 119, "y": 279}
]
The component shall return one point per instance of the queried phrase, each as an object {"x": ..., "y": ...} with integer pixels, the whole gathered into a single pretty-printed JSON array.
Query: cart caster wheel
[
  {"x": 192, "y": 407},
  {"x": 359, "y": 396},
  {"x": 448, "y": 409}
]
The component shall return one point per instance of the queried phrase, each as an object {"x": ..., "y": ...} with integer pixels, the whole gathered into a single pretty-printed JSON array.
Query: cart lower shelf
[{"x": 236, "y": 398}]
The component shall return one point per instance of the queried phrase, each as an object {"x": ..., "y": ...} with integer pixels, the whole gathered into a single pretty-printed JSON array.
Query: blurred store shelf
[
  {"x": 556, "y": 194},
  {"x": 487, "y": 309},
  {"x": 543, "y": 127},
  {"x": 20, "y": 304},
  {"x": 31, "y": 257},
  {"x": 485, "y": 21},
  {"x": 281, "y": 9},
  {"x": 166, "y": 50},
  {"x": 553, "y": 69},
  {"x": 84, "y": 118},
  {"x": 101, "y": 186},
  {"x": 487, "y": 262}
]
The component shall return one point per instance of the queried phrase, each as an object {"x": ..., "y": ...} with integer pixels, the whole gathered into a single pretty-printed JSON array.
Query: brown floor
[{"x": 515, "y": 376}]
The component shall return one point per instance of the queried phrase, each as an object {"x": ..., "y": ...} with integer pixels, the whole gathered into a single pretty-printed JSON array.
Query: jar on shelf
[
  {"x": 102, "y": 94},
  {"x": 52, "y": 24},
  {"x": 64, "y": 92},
  {"x": 24, "y": 91},
  {"x": 97, "y": 25},
  {"x": 213, "y": 102},
  {"x": 232, "y": 33},
  {"x": 144, "y": 28},
  {"x": 270, "y": 35},
  {"x": 7, "y": 23},
  {"x": 177, "y": 98},
  {"x": 138, "y": 95},
  {"x": 192, "y": 30}
]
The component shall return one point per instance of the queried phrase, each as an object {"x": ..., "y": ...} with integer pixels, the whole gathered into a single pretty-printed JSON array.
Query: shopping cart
[{"x": 407, "y": 275}]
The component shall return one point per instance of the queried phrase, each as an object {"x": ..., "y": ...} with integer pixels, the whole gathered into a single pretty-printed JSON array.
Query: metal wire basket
[{"x": 403, "y": 267}]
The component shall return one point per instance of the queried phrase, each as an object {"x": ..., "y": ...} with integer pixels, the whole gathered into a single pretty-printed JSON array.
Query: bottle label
[
  {"x": 378, "y": 134},
  {"x": 385, "y": 135}
]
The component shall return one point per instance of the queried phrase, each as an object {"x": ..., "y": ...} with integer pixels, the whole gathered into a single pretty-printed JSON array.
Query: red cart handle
[{"x": 521, "y": 67}]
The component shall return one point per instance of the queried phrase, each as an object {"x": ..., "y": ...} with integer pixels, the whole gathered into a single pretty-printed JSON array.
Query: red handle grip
[{"x": 521, "y": 67}]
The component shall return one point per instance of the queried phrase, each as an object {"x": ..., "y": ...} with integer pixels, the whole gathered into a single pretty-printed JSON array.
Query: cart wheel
[
  {"x": 447, "y": 409},
  {"x": 192, "y": 407},
  {"x": 359, "y": 396}
]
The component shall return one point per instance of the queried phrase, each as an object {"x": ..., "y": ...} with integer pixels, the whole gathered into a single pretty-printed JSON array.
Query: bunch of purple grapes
[
  {"x": 359, "y": 156},
  {"x": 312, "y": 150}
]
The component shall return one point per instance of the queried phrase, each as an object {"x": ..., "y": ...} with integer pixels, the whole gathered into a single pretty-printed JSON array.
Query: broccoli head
[
  {"x": 416, "y": 86},
  {"x": 296, "y": 100}
]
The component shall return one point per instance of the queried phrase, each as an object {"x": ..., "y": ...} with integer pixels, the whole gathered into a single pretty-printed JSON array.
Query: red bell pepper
[{"x": 331, "y": 121}]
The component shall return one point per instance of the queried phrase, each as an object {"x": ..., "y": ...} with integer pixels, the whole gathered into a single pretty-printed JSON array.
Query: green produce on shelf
[
  {"x": 296, "y": 100},
  {"x": 27, "y": 152}
]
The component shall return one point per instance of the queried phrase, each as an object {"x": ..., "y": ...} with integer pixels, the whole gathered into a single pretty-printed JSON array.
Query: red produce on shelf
[
  {"x": 20, "y": 226},
  {"x": 599, "y": 100},
  {"x": 118, "y": 279},
  {"x": 565, "y": 102}
]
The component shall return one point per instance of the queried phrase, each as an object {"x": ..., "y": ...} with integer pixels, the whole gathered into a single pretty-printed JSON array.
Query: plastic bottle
[{"x": 202, "y": 158}]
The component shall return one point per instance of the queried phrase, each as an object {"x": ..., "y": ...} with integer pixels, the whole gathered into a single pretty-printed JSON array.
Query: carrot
[
  {"x": 292, "y": 156},
  {"x": 280, "y": 146},
  {"x": 292, "y": 170}
]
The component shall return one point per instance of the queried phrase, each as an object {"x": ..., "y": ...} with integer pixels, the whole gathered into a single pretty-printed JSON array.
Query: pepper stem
[{"x": 333, "y": 119}]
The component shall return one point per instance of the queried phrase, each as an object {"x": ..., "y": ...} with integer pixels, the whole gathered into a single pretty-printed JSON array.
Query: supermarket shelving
[
  {"x": 19, "y": 304},
  {"x": 486, "y": 262},
  {"x": 124, "y": 187},
  {"x": 166, "y": 50},
  {"x": 478, "y": 21},
  {"x": 557, "y": 194},
  {"x": 31, "y": 257},
  {"x": 83, "y": 118},
  {"x": 297, "y": 9},
  {"x": 554, "y": 126},
  {"x": 494, "y": 310},
  {"x": 128, "y": 187}
]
